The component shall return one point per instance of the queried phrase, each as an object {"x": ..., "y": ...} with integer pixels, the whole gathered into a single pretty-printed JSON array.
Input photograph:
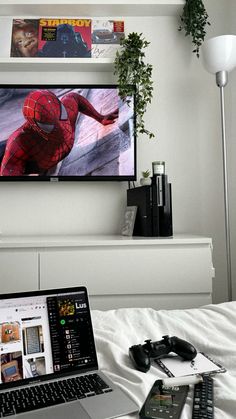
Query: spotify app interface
[{"x": 71, "y": 332}]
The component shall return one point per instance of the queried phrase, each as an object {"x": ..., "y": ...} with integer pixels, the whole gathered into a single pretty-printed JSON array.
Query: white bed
[{"x": 211, "y": 329}]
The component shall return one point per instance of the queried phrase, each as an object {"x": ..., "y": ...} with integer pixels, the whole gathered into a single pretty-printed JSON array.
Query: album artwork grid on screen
[
  {"x": 44, "y": 335},
  {"x": 66, "y": 133}
]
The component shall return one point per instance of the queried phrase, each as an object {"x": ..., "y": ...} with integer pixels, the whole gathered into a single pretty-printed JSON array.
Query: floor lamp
[{"x": 219, "y": 57}]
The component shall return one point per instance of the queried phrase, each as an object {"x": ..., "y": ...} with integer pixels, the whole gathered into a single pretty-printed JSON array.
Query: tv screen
[{"x": 65, "y": 132}]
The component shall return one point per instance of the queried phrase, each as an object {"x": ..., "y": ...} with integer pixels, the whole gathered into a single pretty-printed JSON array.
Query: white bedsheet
[{"x": 211, "y": 329}]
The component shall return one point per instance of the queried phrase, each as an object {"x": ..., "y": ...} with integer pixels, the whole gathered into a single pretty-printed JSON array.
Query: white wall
[
  {"x": 232, "y": 151},
  {"x": 184, "y": 115}
]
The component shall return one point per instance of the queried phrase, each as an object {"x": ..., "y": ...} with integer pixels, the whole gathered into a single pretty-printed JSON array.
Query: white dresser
[{"x": 118, "y": 271}]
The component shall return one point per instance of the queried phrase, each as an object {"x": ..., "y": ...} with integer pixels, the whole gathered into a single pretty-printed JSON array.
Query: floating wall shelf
[
  {"x": 77, "y": 8},
  {"x": 57, "y": 64}
]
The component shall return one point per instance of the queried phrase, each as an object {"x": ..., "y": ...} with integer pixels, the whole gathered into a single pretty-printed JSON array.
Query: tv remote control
[{"x": 203, "y": 399}]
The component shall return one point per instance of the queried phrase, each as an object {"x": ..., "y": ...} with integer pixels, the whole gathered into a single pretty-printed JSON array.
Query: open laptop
[{"x": 48, "y": 359}]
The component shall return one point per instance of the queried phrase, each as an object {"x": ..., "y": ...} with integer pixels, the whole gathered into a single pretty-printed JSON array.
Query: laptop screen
[{"x": 45, "y": 335}]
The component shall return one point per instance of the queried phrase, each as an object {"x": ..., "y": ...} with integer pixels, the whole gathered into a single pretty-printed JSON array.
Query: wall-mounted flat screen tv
[{"x": 66, "y": 132}]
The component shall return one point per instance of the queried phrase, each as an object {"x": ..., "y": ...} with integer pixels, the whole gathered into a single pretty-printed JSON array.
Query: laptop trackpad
[{"x": 72, "y": 410}]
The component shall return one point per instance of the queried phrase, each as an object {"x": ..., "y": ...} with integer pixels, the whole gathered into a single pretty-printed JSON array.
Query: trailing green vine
[
  {"x": 194, "y": 19},
  {"x": 135, "y": 76}
]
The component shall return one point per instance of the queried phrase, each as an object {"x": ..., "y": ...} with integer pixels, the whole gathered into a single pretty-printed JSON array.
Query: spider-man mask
[{"x": 47, "y": 115}]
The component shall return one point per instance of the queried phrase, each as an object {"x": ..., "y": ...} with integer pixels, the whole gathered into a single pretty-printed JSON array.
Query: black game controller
[{"x": 141, "y": 354}]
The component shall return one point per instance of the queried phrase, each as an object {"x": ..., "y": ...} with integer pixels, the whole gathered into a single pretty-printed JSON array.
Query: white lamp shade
[{"x": 219, "y": 53}]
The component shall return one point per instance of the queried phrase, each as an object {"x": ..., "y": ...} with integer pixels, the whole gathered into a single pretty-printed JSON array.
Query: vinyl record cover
[
  {"x": 66, "y": 38},
  {"x": 24, "y": 39},
  {"x": 106, "y": 37}
]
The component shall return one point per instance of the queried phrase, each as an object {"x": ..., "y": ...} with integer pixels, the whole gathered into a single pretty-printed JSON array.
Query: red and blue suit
[{"x": 48, "y": 134}]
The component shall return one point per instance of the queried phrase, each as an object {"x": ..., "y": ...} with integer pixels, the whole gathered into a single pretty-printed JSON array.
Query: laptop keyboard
[{"x": 50, "y": 394}]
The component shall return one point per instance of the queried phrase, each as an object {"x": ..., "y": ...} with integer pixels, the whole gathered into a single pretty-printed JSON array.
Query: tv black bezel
[{"x": 42, "y": 178}]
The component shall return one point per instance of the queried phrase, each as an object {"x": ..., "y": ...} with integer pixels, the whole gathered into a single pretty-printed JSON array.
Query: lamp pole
[
  {"x": 219, "y": 58},
  {"x": 221, "y": 81}
]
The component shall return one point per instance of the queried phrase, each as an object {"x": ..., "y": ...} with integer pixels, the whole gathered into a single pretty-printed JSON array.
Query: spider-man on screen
[{"x": 48, "y": 133}]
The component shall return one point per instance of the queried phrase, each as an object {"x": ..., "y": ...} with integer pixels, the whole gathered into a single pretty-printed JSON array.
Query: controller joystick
[{"x": 141, "y": 355}]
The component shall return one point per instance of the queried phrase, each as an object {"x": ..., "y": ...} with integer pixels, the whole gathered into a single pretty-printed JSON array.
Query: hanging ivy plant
[
  {"x": 135, "y": 76},
  {"x": 194, "y": 19}
]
